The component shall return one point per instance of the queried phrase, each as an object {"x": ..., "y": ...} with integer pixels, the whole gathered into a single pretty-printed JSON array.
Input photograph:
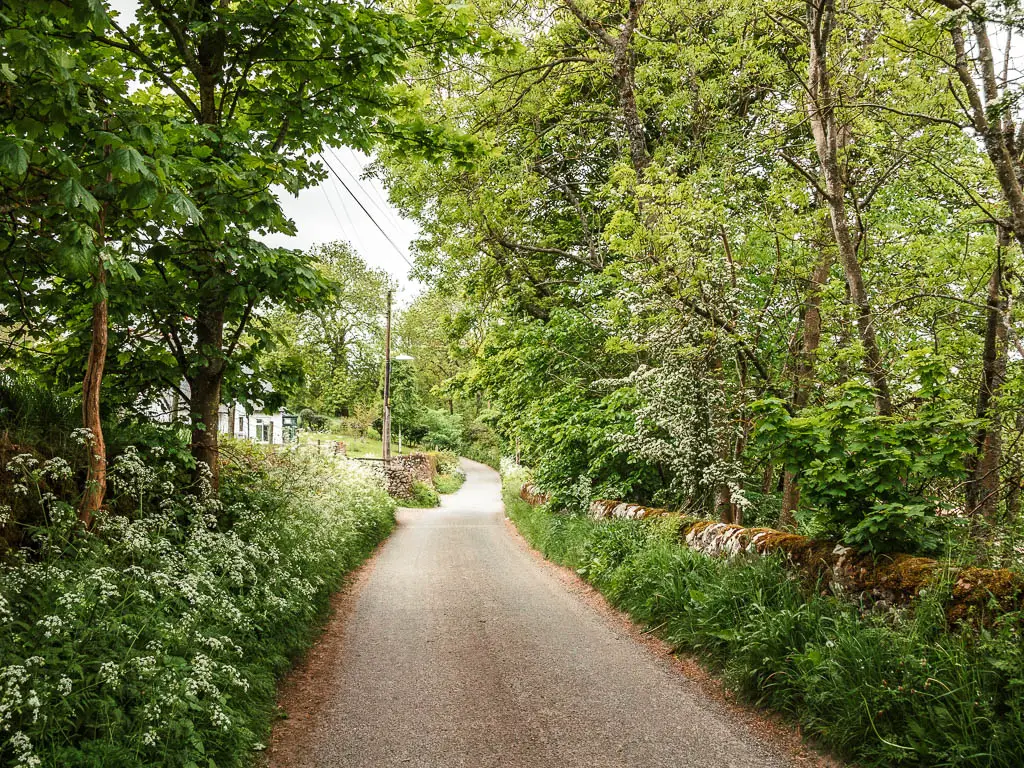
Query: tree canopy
[
  {"x": 141, "y": 161},
  {"x": 706, "y": 240}
]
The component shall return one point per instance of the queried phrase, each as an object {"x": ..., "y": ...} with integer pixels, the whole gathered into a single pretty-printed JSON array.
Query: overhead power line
[
  {"x": 337, "y": 218},
  {"x": 369, "y": 190},
  {"x": 355, "y": 238},
  {"x": 368, "y": 214}
]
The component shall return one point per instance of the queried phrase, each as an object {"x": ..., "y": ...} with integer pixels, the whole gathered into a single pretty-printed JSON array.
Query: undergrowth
[
  {"x": 423, "y": 496},
  {"x": 893, "y": 690},
  {"x": 449, "y": 483},
  {"x": 157, "y": 638}
]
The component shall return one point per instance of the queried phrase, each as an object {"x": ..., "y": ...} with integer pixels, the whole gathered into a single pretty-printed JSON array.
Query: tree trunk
[
  {"x": 804, "y": 372},
  {"x": 983, "y": 487},
  {"x": 724, "y": 506},
  {"x": 626, "y": 82},
  {"x": 206, "y": 391},
  {"x": 1015, "y": 479},
  {"x": 623, "y": 75},
  {"x": 92, "y": 384},
  {"x": 96, "y": 483},
  {"x": 825, "y": 129},
  {"x": 208, "y": 378},
  {"x": 768, "y": 478}
]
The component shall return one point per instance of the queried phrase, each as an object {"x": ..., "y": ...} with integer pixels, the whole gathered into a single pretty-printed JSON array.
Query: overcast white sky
[{"x": 327, "y": 212}]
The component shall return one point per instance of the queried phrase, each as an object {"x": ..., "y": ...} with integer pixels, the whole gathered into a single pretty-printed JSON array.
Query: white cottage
[
  {"x": 270, "y": 428},
  {"x": 258, "y": 427}
]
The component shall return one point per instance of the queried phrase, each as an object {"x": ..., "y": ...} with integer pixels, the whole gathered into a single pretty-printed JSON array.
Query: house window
[
  {"x": 241, "y": 425},
  {"x": 264, "y": 431},
  {"x": 290, "y": 427}
]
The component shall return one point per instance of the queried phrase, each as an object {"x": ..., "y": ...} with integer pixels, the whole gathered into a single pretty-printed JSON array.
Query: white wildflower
[
  {"x": 110, "y": 673},
  {"x": 24, "y": 755}
]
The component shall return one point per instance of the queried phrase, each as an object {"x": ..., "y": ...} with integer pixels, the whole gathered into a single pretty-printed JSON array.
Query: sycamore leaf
[
  {"x": 120, "y": 269},
  {"x": 140, "y": 194},
  {"x": 184, "y": 207},
  {"x": 73, "y": 195},
  {"x": 13, "y": 159},
  {"x": 107, "y": 139},
  {"x": 129, "y": 162},
  {"x": 93, "y": 11}
]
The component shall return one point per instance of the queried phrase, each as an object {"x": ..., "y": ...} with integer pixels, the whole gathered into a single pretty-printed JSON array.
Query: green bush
[
  {"x": 484, "y": 453},
  {"x": 36, "y": 415},
  {"x": 868, "y": 479},
  {"x": 422, "y": 496},
  {"x": 157, "y": 639},
  {"x": 899, "y": 689},
  {"x": 449, "y": 483},
  {"x": 440, "y": 431},
  {"x": 313, "y": 421},
  {"x": 446, "y": 462}
]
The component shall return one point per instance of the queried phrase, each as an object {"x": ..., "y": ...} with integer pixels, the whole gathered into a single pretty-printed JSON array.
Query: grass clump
[
  {"x": 157, "y": 638},
  {"x": 449, "y": 483},
  {"x": 423, "y": 496},
  {"x": 901, "y": 689}
]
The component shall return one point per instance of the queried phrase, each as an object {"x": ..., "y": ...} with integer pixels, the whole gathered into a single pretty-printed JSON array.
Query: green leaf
[
  {"x": 129, "y": 162},
  {"x": 13, "y": 159},
  {"x": 140, "y": 194},
  {"x": 184, "y": 207},
  {"x": 74, "y": 195}
]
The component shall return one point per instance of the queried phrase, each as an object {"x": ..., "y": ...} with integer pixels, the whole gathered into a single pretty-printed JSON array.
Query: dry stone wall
[
  {"x": 841, "y": 570},
  {"x": 402, "y": 471},
  {"x": 531, "y": 494}
]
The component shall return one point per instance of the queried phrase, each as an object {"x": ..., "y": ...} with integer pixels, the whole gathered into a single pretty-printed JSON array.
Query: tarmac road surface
[{"x": 463, "y": 649}]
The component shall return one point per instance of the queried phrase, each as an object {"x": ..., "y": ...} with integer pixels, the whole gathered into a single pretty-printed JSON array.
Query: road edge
[
  {"x": 770, "y": 727},
  {"x": 305, "y": 689}
]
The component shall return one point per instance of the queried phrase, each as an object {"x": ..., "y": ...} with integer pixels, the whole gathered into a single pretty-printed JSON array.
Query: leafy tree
[
  {"x": 250, "y": 93},
  {"x": 427, "y": 331},
  {"x": 328, "y": 355},
  {"x": 82, "y": 168},
  {"x": 871, "y": 479},
  {"x": 406, "y": 403},
  {"x": 793, "y": 211}
]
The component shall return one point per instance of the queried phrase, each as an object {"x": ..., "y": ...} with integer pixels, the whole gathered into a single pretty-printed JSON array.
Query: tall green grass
[
  {"x": 896, "y": 689},
  {"x": 32, "y": 414},
  {"x": 449, "y": 483}
]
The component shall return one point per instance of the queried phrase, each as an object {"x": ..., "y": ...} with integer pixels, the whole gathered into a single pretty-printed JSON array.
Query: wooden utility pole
[{"x": 386, "y": 425}]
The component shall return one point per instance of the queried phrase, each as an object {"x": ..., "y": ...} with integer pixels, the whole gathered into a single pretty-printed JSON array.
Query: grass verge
[
  {"x": 899, "y": 689},
  {"x": 423, "y": 496},
  {"x": 157, "y": 639}
]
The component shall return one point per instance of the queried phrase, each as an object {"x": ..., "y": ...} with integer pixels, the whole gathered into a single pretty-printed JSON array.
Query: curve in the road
[{"x": 463, "y": 650}]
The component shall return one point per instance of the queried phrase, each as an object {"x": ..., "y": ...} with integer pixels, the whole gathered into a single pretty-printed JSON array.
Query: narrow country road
[{"x": 462, "y": 649}]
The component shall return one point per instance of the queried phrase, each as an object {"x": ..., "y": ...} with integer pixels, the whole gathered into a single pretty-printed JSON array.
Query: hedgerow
[{"x": 156, "y": 639}]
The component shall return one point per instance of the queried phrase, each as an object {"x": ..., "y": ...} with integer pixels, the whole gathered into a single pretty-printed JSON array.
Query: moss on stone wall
[
  {"x": 829, "y": 566},
  {"x": 531, "y": 494}
]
